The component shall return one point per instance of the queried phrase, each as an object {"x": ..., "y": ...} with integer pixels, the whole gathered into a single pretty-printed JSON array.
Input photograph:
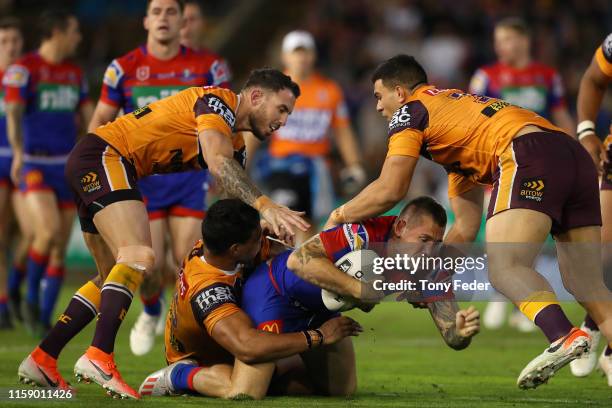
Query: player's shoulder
[
  {"x": 412, "y": 115},
  {"x": 131, "y": 58},
  {"x": 29, "y": 60},
  {"x": 120, "y": 66}
]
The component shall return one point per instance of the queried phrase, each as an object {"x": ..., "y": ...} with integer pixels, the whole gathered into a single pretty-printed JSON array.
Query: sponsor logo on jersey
[
  {"x": 356, "y": 236},
  {"x": 143, "y": 73},
  {"x": 272, "y": 326},
  {"x": 57, "y": 98},
  {"x": 90, "y": 182},
  {"x": 211, "y": 298},
  {"x": 144, "y": 95},
  {"x": 214, "y": 104},
  {"x": 16, "y": 76},
  {"x": 113, "y": 74},
  {"x": 140, "y": 112},
  {"x": 400, "y": 119},
  {"x": 532, "y": 189},
  {"x": 495, "y": 107}
]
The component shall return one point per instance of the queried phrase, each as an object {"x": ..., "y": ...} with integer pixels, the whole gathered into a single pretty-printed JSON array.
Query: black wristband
[
  {"x": 308, "y": 338},
  {"x": 320, "y": 333}
]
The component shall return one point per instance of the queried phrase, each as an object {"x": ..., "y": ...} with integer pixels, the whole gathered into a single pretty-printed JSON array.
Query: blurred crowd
[{"x": 450, "y": 38}]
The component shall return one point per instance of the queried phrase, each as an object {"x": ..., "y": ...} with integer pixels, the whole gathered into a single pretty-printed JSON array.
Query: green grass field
[{"x": 401, "y": 361}]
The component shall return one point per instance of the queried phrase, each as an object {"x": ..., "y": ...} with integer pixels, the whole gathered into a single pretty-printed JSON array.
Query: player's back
[
  {"x": 162, "y": 137},
  {"x": 463, "y": 132},
  {"x": 204, "y": 295}
]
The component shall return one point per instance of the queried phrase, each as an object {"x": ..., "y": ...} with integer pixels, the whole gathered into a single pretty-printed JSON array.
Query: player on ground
[
  {"x": 175, "y": 202},
  {"x": 44, "y": 93},
  {"x": 196, "y": 128},
  {"x": 295, "y": 168},
  {"x": 11, "y": 43},
  {"x": 592, "y": 89},
  {"x": 277, "y": 300},
  {"x": 480, "y": 140},
  {"x": 517, "y": 79},
  {"x": 212, "y": 347}
]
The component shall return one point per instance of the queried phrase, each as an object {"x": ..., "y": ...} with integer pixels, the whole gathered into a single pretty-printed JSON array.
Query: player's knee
[{"x": 140, "y": 257}]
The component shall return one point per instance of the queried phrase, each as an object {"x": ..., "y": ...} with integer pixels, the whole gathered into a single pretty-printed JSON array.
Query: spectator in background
[
  {"x": 297, "y": 172},
  {"x": 519, "y": 80}
]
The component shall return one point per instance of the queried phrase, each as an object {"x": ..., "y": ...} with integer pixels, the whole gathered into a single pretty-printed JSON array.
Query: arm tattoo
[
  {"x": 236, "y": 183},
  {"x": 313, "y": 248},
  {"x": 324, "y": 275},
  {"x": 444, "y": 315}
]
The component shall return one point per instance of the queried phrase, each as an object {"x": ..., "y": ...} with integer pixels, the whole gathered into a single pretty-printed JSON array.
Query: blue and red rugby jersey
[
  {"x": 137, "y": 79},
  {"x": 52, "y": 93},
  {"x": 536, "y": 87}
]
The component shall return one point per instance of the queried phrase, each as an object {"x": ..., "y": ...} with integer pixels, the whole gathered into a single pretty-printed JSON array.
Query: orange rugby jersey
[
  {"x": 204, "y": 295},
  {"x": 162, "y": 137},
  {"x": 465, "y": 133},
  {"x": 319, "y": 108},
  {"x": 603, "y": 56}
]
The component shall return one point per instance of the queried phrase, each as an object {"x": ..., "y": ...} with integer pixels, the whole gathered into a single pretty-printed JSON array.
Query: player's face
[
  {"x": 299, "y": 62},
  {"x": 420, "y": 236},
  {"x": 270, "y": 111},
  {"x": 71, "y": 37},
  {"x": 246, "y": 253},
  {"x": 388, "y": 100},
  {"x": 164, "y": 20},
  {"x": 11, "y": 43},
  {"x": 193, "y": 27},
  {"x": 510, "y": 45}
]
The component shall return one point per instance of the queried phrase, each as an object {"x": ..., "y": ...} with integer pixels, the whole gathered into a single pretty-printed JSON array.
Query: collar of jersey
[
  {"x": 418, "y": 91},
  {"x": 230, "y": 273}
]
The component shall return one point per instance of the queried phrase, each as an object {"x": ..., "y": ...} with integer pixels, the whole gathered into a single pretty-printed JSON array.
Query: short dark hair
[
  {"x": 228, "y": 222},
  {"x": 515, "y": 23},
  {"x": 428, "y": 206},
  {"x": 402, "y": 70},
  {"x": 10, "y": 23},
  {"x": 55, "y": 19},
  {"x": 271, "y": 79},
  {"x": 181, "y": 4}
]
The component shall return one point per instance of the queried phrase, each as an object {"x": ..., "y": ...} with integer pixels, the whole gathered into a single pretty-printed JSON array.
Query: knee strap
[{"x": 138, "y": 257}]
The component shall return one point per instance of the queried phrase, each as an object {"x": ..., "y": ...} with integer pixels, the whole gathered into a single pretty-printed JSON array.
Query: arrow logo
[{"x": 537, "y": 185}]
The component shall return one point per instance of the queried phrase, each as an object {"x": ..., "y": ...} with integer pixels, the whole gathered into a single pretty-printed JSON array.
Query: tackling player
[
  {"x": 296, "y": 169},
  {"x": 212, "y": 347},
  {"x": 11, "y": 43},
  {"x": 592, "y": 89},
  {"x": 196, "y": 128},
  {"x": 517, "y": 79},
  {"x": 543, "y": 180},
  {"x": 44, "y": 92},
  {"x": 278, "y": 301},
  {"x": 175, "y": 202}
]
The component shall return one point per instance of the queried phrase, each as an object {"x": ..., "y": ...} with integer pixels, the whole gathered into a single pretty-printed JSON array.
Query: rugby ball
[{"x": 359, "y": 265}]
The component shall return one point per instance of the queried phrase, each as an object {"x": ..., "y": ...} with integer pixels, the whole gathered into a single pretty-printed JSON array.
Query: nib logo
[{"x": 532, "y": 189}]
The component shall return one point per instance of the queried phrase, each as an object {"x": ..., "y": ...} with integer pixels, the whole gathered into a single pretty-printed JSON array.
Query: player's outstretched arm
[
  {"x": 379, "y": 196},
  {"x": 457, "y": 327},
  {"x": 310, "y": 262},
  {"x": 218, "y": 153},
  {"x": 593, "y": 86},
  {"x": 237, "y": 335},
  {"x": 14, "y": 120}
]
